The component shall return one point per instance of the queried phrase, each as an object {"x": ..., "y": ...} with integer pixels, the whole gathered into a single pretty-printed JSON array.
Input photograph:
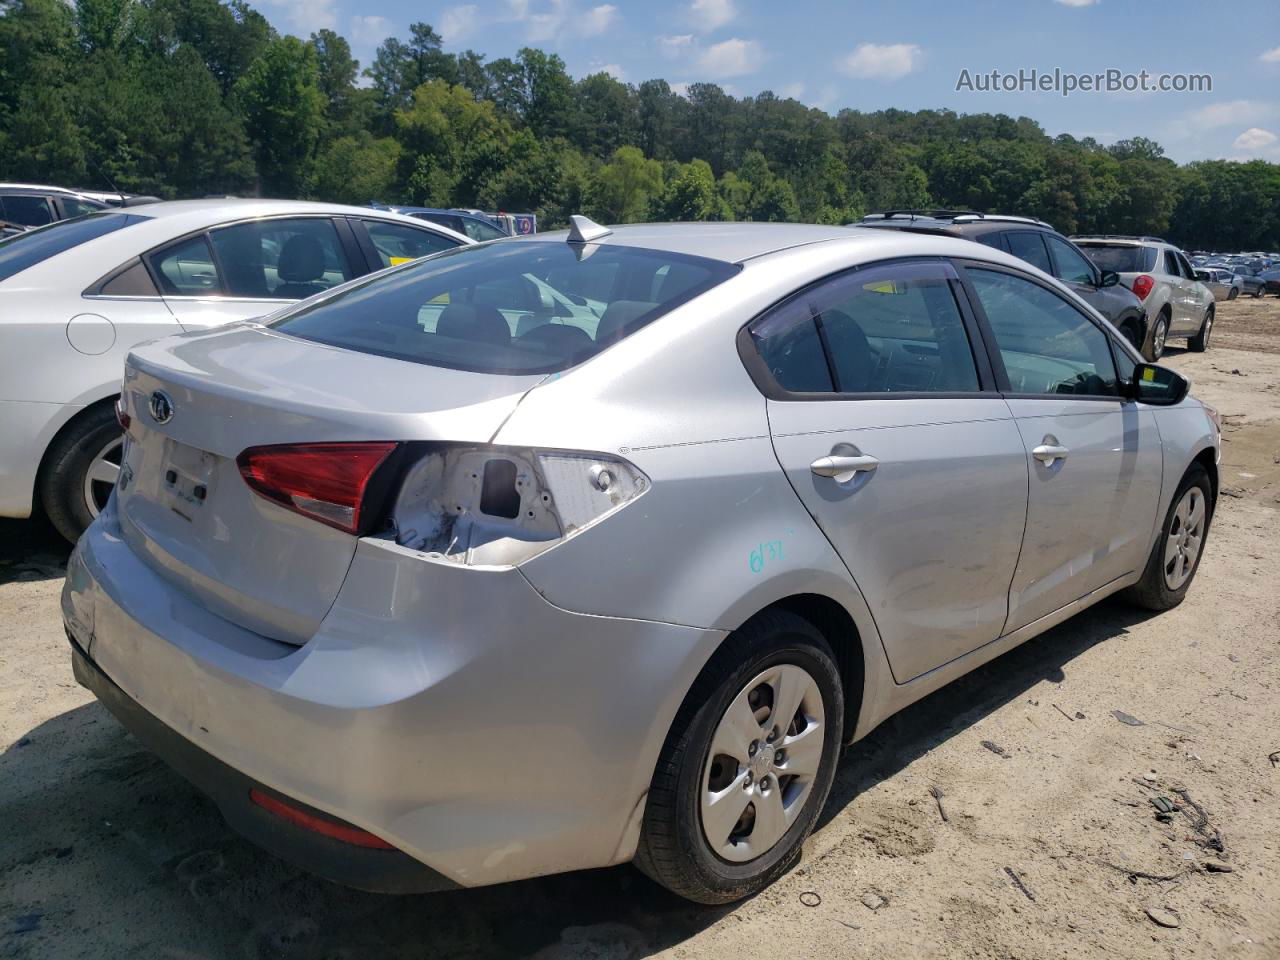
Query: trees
[{"x": 191, "y": 97}]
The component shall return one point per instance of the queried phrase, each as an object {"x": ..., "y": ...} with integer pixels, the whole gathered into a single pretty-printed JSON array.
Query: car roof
[
  {"x": 37, "y": 188},
  {"x": 730, "y": 242}
]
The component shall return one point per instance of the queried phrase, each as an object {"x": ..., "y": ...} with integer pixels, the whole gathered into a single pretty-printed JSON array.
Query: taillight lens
[
  {"x": 122, "y": 417},
  {"x": 324, "y": 481},
  {"x": 1142, "y": 285}
]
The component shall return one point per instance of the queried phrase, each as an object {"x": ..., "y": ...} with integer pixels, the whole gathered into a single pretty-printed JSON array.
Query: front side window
[
  {"x": 24, "y": 250},
  {"x": 480, "y": 231},
  {"x": 507, "y": 307},
  {"x": 1048, "y": 346},
  {"x": 886, "y": 329},
  {"x": 186, "y": 269},
  {"x": 76, "y": 207},
  {"x": 1027, "y": 245},
  {"x": 30, "y": 211},
  {"x": 399, "y": 243},
  {"x": 280, "y": 259},
  {"x": 1069, "y": 264}
]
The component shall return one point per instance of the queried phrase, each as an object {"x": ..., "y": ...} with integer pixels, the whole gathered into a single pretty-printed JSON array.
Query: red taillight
[
  {"x": 1142, "y": 285},
  {"x": 324, "y": 481},
  {"x": 122, "y": 418},
  {"x": 322, "y": 825}
]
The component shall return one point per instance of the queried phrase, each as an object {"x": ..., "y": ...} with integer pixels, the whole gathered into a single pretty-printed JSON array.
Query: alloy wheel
[
  {"x": 762, "y": 762},
  {"x": 1185, "y": 537},
  {"x": 100, "y": 478},
  {"x": 1158, "y": 338}
]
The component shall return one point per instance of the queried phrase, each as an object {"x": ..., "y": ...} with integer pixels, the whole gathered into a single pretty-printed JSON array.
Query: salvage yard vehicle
[
  {"x": 75, "y": 296},
  {"x": 1040, "y": 245},
  {"x": 1222, "y": 283},
  {"x": 426, "y": 595},
  {"x": 33, "y": 205},
  {"x": 1177, "y": 304}
]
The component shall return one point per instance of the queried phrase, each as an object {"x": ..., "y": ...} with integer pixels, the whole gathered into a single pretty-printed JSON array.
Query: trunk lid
[{"x": 187, "y": 511}]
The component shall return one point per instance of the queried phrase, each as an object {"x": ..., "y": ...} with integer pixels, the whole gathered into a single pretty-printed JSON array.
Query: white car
[{"x": 76, "y": 296}]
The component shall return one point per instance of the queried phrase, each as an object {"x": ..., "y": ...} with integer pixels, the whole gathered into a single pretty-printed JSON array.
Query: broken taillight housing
[{"x": 500, "y": 506}]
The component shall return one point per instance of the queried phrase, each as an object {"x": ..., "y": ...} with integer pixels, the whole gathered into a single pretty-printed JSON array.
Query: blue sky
[{"x": 869, "y": 56}]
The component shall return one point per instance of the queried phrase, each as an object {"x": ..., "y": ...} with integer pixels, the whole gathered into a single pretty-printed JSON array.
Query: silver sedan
[{"x": 595, "y": 547}]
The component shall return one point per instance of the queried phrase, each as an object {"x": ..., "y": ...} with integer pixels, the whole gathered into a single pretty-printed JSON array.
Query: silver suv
[{"x": 1177, "y": 304}]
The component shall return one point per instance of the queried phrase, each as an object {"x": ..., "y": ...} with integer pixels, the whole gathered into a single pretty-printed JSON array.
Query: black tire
[
  {"x": 1257, "y": 293},
  {"x": 1200, "y": 342},
  {"x": 673, "y": 849},
  {"x": 61, "y": 482},
  {"x": 1157, "y": 341},
  {"x": 1130, "y": 330},
  {"x": 1152, "y": 591},
  {"x": 1233, "y": 294}
]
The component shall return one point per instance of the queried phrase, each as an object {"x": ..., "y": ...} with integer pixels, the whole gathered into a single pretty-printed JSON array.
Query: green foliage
[
  {"x": 283, "y": 108},
  {"x": 193, "y": 97}
]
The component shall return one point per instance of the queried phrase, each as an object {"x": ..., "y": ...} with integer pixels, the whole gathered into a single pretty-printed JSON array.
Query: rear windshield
[
  {"x": 1120, "y": 258},
  {"x": 24, "y": 250},
  {"x": 516, "y": 308}
]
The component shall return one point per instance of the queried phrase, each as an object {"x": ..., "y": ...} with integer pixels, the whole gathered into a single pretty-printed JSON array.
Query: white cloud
[
  {"x": 1255, "y": 138},
  {"x": 561, "y": 20},
  {"x": 731, "y": 58},
  {"x": 1230, "y": 113},
  {"x": 675, "y": 46},
  {"x": 890, "y": 61},
  {"x": 709, "y": 15},
  {"x": 1077, "y": 3},
  {"x": 1271, "y": 56},
  {"x": 307, "y": 16},
  {"x": 680, "y": 89},
  {"x": 368, "y": 32},
  {"x": 613, "y": 69},
  {"x": 793, "y": 91},
  {"x": 457, "y": 23}
]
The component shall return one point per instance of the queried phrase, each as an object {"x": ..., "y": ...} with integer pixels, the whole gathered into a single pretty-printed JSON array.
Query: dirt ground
[{"x": 1050, "y": 850}]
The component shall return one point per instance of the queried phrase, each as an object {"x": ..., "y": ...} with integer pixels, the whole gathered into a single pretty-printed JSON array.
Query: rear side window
[
  {"x": 993, "y": 239},
  {"x": 186, "y": 269},
  {"x": 505, "y": 308},
  {"x": 30, "y": 211},
  {"x": 1028, "y": 246},
  {"x": 398, "y": 243},
  {"x": 888, "y": 329},
  {"x": 280, "y": 259},
  {"x": 76, "y": 207},
  {"x": 1120, "y": 258},
  {"x": 24, "y": 250},
  {"x": 1047, "y": 345}
]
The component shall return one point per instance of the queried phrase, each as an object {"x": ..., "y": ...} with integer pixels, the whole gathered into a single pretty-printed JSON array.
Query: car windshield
[
  {"x": 514, "y": 308},
  {"x": 24, "y": 250},
  {"x": 1120, "y": 258}
]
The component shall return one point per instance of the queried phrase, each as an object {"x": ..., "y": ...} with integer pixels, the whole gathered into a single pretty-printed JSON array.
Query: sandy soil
[{"x": 1051, "y": 850}]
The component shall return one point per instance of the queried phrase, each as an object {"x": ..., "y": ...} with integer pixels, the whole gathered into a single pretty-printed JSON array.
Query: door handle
[
  {"x": 1049, "y": 453},
  {"x": 842, "y": 469}
]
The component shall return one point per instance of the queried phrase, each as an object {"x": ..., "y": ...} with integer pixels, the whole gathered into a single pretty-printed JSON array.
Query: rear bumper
[
  {"x": 378, "y": 871},
  {"x": 451, "y": 711}
]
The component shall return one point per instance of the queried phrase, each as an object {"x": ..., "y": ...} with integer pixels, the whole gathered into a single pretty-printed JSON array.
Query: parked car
[
  {"x": 436, "y": 602},
  {"x": 1177, "y": 304},
  {"x": 75, "y": 296},
  {"x": 1222, "y": 283},
  {"x": 1040, "y": 245},
  {"x": 1271, "y": 279},
  {"x": 1251, "y": 281},
  {"x": 474, "y": 225},
  {"x": 32, "y": 205}
]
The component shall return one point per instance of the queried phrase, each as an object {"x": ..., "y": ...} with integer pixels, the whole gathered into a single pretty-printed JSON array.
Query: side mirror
[
  {"x": 1109, "y": 278},
  {"x": 1158, "y": 386}
]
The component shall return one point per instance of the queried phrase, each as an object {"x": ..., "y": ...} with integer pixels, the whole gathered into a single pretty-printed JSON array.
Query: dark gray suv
[{"x": 1040, "y": 245}]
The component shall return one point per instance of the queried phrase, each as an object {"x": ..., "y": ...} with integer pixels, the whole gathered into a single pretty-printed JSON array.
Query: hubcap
[
  {"x": 1186, "y": 535},
  {"x": 763, "y": 762},
  {"x": 1158, "y": 342},
  {"x": 100, "y": 478},
  {"x": 1208, "y": 327}
]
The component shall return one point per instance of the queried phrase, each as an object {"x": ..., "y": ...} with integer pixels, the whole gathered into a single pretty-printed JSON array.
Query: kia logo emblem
[{"x": 161, "y": 407}]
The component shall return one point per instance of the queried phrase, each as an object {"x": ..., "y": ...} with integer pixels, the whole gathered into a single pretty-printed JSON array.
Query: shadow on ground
[
  {"x": 93, "y": 826},
  {"x": 31, "y": 550}
]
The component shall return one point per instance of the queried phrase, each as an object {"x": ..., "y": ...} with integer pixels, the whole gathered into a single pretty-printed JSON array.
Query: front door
[
  {"x": 1094, "y": 459},
  {"x": 884, "y": 422}
]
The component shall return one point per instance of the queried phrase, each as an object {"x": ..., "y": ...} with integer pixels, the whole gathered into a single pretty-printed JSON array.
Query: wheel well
[
  {"x": 1207, "y": 459},
  {"x": 70, "y": 425},
  {"x": 839, "y": 630}
]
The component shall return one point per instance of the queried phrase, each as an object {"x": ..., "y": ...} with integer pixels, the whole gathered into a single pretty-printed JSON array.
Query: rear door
[
  {"x": 246, "y": 270},
  {"x": 1094, "y": 459},
  {"x": 886, "y": 423},
  {"x": 1183, "y": 292}
]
